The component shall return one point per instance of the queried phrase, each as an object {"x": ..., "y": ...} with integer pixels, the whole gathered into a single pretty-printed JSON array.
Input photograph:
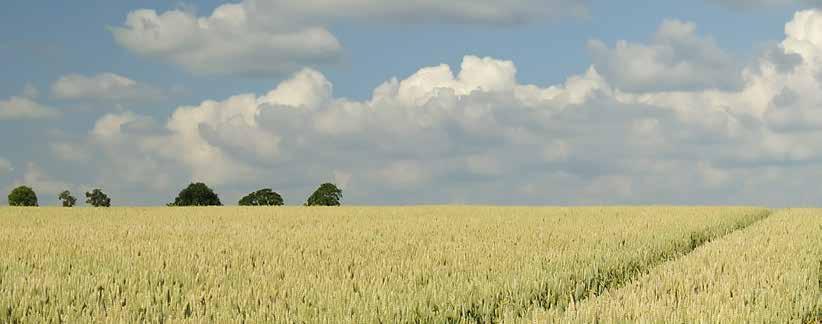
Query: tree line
[{"x": 196, "y": 194}]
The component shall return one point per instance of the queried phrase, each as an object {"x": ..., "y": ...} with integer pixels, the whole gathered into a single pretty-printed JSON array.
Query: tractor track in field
[{"x": 619, "y": 277}]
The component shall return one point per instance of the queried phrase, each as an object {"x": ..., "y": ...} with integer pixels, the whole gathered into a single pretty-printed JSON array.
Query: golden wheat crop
[
  {"x": 767, "y": 273},
  {"x": 351, "y": 264}
]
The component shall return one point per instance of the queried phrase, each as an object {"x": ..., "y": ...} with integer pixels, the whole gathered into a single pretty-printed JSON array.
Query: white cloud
[
  {"x": 227, "y": 42},
  {"x": 805, "y": 37},
  {"x": 432, "y": 127},
  {"x": 307, "y": 89},
  {"x": 16, "y": 108},
  {"x": 104, "y": 86},
  {"x": 676, "y": 59},
  {"x": 231, "y": 141},
  {"x": 128, "y": 149},
  {"x": 479, "y": 135},
  {"x": 258, "y": 37}
]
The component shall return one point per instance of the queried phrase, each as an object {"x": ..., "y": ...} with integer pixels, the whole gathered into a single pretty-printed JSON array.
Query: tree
[
  {"x": 197, "y": 194},
  {"x": 97, "y": 198},
  {"x": 326, "y": 195},
  {"x": 262, "y": 197},
  {"x": 23, "y": 196},
  {"x": 67, "y": 199}
]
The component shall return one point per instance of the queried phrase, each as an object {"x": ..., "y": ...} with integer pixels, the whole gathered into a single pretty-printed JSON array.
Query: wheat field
[
  {"x": 404, "y": 264},
  {"x": 770, "y": 272}
]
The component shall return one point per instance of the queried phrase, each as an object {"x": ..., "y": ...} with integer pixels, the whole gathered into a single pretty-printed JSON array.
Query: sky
[{"x": 526, "y": 102}]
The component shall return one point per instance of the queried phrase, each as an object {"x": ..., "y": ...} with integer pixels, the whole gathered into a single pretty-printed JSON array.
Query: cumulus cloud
[
  {"x": 133, "y": 145},
  {"x": 805, "y": 37},
  {"x": 479, "y": 135},
  {"x": 227, "y": 42},
  {"x": 676, "y": 59},
  {"x": 434, "y": 128},
  {"x": 401, "y": 138},
  {"x": 257, "y": 37},
  {"x": 17, "y": 108},
  {"x": 104, "y": 86}
]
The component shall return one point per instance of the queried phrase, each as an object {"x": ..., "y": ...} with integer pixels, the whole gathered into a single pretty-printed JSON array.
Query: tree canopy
[
  {"x": 326, "y": 195},
  {"x": 67, "y": 199},
  {"x": 98, "y": 198},
  {"x": 262, "y": 197},
  {"x": 197, "y": 194},
  {"x": 23, "y": 196}
]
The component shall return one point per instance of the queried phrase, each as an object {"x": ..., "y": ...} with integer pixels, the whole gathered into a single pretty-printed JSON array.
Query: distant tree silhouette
[
  {"x": 326, "y": 195},
  {"x": 197, "y": 194},
  {"x": 98, "y": 198},
  {"x": 23, "y": 196},
  {"x": 67, "y": 199},
  {"x": 262, "y": 197}
]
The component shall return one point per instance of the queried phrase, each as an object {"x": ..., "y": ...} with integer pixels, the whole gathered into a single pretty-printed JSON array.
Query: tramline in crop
[{"x": 767, "y": 273}]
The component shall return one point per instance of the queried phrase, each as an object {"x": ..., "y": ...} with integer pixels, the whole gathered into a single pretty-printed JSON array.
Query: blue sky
[
  {"x": 46, "y": 40},
  {"x": 141, "y": 115}
]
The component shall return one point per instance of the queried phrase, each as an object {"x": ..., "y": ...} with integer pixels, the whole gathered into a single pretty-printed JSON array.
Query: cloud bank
[{"x": 677, "y": 132}]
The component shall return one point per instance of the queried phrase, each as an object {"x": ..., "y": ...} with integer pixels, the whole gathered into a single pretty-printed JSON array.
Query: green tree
[
  {"x": 326, "y": 195},
  {"x": 197, "y": 194},
  {"x": 262, "y": 197},
  {"x": 23, "y": 196},
  {"x": 98, "y": 198},
  {"x": 67, "y": 199}
]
